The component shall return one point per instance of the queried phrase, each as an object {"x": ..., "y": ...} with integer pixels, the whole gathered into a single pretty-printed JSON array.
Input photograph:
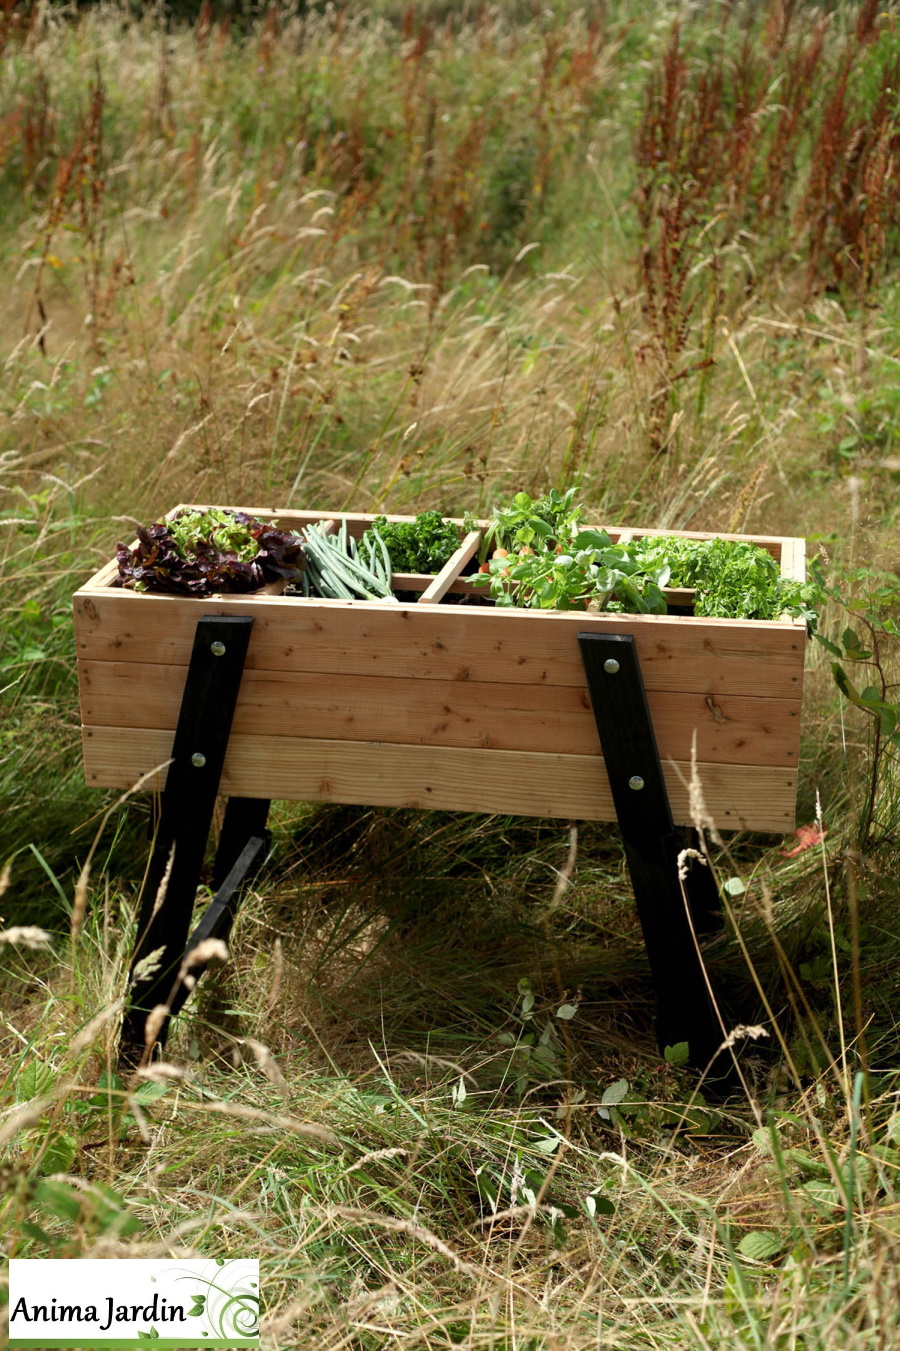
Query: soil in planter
[{"x": 467, "y": 598}]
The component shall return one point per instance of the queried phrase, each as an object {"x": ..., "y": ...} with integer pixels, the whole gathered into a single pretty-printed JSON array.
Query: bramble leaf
[
  {"x": 548, "y": 1145},
  {"x": 828, "y": 645},
  {"x": 616, "y": 1092},
  {"x": 853, "y": 648},
  {"x": 761, "y": 1245}
]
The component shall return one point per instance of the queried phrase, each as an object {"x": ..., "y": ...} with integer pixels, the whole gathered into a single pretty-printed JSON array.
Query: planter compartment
[{"x": 455, "y": 707}]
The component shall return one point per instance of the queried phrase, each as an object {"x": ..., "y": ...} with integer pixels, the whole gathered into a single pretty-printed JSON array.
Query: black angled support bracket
[
  {"x": 684, "y": 1010},
  {"x": 244, "y": 818},
  {"x": 188, "y": 801},
  {"x": 218, "y": 916}
]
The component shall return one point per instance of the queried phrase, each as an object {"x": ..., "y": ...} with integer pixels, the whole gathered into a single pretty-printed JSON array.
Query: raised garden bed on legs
[{"x": 461, "y": 707}]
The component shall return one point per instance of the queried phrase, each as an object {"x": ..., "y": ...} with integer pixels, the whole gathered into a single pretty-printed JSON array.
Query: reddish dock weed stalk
[{"x": 798, "y": 152}]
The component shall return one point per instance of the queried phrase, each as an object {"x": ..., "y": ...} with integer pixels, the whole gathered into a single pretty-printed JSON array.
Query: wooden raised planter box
[
  {"x": 441, "y": 701},
  {"x": 449, "y": 706}
]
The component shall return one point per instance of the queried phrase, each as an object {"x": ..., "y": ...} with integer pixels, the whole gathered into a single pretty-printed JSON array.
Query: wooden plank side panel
[
  {"x": 747, "y": 797},
  {"x": 445, "y": 713},
  {"x": 701, "y": 656},
  {"x": 793, "y": 561}
]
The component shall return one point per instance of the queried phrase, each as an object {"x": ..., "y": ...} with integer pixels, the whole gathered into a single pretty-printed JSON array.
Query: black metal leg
[
  {"x": 244, "y": 818},
  {"x": 198, "y": 755},
  {"x": 684, "y": 1010},
  {"x": 243, "y": 845},
  {"x": 703, "y": 895},
  {"x": 219, "y": 915}
]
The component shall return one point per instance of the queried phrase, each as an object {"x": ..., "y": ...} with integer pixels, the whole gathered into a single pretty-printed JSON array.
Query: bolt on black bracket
[{"x": 684, "y": 1009}]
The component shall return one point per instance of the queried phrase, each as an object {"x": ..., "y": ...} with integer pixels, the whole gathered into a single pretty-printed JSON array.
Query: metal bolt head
[
  {"x": 636, "y": 782},
  {"x": 198, "y": 760},
  {"x": 610, "y": 666},
  {"x": 217, "y": 648}
]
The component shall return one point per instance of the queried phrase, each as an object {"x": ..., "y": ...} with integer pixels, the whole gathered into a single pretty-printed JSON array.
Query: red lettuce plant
[{"x": 200, "y": 552}]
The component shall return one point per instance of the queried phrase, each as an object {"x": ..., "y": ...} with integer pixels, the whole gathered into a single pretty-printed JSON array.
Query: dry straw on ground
[{"x": 424, "y": 257}]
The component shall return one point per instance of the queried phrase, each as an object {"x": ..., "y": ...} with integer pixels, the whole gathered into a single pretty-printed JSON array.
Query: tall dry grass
[{"x": 423, "y": 258}]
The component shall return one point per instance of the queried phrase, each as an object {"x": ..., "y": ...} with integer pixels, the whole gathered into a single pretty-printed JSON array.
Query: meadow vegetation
[{"x": 388, "y": 258}]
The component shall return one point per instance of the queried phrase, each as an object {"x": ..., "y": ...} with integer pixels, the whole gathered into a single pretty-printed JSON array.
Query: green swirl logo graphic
[{"x": 230, "y": 1312}]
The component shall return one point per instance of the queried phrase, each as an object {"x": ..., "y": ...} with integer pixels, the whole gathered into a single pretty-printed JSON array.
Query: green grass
[{"x": 410, "y": 260}]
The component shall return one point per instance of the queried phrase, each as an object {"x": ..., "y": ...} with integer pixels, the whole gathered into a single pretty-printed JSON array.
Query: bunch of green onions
[{"x": 338, "y": 568}]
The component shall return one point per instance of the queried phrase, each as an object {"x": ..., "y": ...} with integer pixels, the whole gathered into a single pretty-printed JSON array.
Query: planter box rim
[{"x": 791, "y": 561}]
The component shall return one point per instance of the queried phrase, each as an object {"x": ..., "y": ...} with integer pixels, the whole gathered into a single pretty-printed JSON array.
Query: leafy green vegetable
[
  {"x": 190, "y": 528},
  {"x": 733, "y": 579},
  {"x": 422, "y": 545},
  {"x": 546, "y": 520},
  {"x": 544, "y": 559},
  {"x": 199, "y": 552},
  {"x": 593, "y": 573}
]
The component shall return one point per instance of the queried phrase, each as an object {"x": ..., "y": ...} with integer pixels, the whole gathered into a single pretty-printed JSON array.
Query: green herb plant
[
  {"x": 593, "y": 573},
  {"x": 423, "y": 545},
  {"x": 551, "y": 519},
  {"x": 732, "y": 579}
]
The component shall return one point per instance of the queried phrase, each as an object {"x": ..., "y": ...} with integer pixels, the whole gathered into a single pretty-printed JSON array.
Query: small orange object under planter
[{"x": 450, "y": 706}]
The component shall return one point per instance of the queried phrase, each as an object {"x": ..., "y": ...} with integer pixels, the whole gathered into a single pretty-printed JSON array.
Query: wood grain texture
[
  {"x": 429, "y": 642},
  {"x": 103, "y": 580},
  {"x": 793, "y": 568},
  {"x": 758, "y": 731},
  {"x": 793, "y": 561},
  {"x": 421, "y": 581},
  {"x": 746, "y": 797},
  {"x": 440, "y": 585}
]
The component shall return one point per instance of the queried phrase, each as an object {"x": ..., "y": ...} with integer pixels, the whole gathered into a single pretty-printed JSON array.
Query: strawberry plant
[
  {"x": 593, "y": 573},
  {"x": 552, "y": 519}
]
